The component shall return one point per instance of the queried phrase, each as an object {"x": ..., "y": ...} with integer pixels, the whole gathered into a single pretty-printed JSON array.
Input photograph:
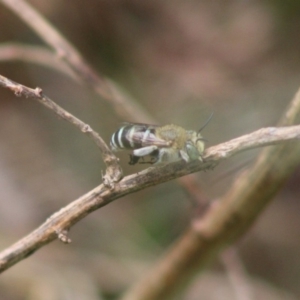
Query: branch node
[
  {"x": 38, "y": 92},
  {"x": 113, "y": 174},
  {"x": 86, "y": 128},
  {"x": 63, "y": 236},
  {"x": 18, "y": 90}
]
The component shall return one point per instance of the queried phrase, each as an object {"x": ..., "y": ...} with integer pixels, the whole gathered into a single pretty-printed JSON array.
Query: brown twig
[
  {"x": 113, "y": 170},
  {"x": 63, "y": 220},
  {"x": 227, "y": 218}
]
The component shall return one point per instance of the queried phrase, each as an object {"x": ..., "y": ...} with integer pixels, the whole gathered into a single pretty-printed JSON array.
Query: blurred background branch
[
  {"x": 40, "y": 56},
  {"x": 127, "y": 108}
]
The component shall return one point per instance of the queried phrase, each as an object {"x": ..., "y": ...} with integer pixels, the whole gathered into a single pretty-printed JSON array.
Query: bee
[{"x": 163, "y": 144}]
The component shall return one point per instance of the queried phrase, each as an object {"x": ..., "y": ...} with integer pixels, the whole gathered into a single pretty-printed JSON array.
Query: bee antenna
[{"x": 205, "y": 124}]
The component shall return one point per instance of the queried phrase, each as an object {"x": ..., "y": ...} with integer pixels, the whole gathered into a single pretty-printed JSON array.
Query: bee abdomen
[
  {"x": 129, "y": 137},
  {"x": 119, "y": 138}
]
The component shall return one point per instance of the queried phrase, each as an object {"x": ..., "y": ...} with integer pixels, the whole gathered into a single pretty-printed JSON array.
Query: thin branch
[
  {"x": 36, "y": 55},
  {"x": 64, "y": 219},
  {"x": 262, "y": 137},
  {"x": 124, "y": 106},
  {"x": 113, "y": 170}
]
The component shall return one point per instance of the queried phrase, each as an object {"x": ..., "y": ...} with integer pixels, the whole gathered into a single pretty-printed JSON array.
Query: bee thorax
[{"x": 176, "y": 135}]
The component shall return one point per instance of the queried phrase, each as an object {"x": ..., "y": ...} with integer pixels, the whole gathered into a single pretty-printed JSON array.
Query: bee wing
[
  {"x": 148, "y": 138},
  {"x": 152, "y": 140},
  {"x": 144, "y": 134},
  {"x": 142, "y": 125}
]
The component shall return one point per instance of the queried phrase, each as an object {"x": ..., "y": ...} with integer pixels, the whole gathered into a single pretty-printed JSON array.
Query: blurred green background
[{"x": 181, "y": 60}]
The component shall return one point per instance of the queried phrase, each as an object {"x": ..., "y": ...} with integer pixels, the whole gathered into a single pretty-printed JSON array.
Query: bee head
[{"x": 195, "y": 145}]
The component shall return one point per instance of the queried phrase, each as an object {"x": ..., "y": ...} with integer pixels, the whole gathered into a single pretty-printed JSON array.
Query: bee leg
[
  {"x": 133, "y": 159},
  {"x": 146, "y": 162},
  {"x": 144, "y": 151},
  {"x": 153, "y": 158},
  {"x": 141, "y": 152},
  {"x": 143, "y": 161},
  {"x": 184, "y": 155}
]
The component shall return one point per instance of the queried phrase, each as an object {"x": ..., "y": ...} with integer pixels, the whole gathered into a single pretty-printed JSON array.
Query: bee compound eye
[{"x": 200, "y": 146}]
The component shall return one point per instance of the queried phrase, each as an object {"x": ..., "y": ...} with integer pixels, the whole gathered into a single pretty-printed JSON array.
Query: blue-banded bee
[{"x": 163, "y": 144}]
